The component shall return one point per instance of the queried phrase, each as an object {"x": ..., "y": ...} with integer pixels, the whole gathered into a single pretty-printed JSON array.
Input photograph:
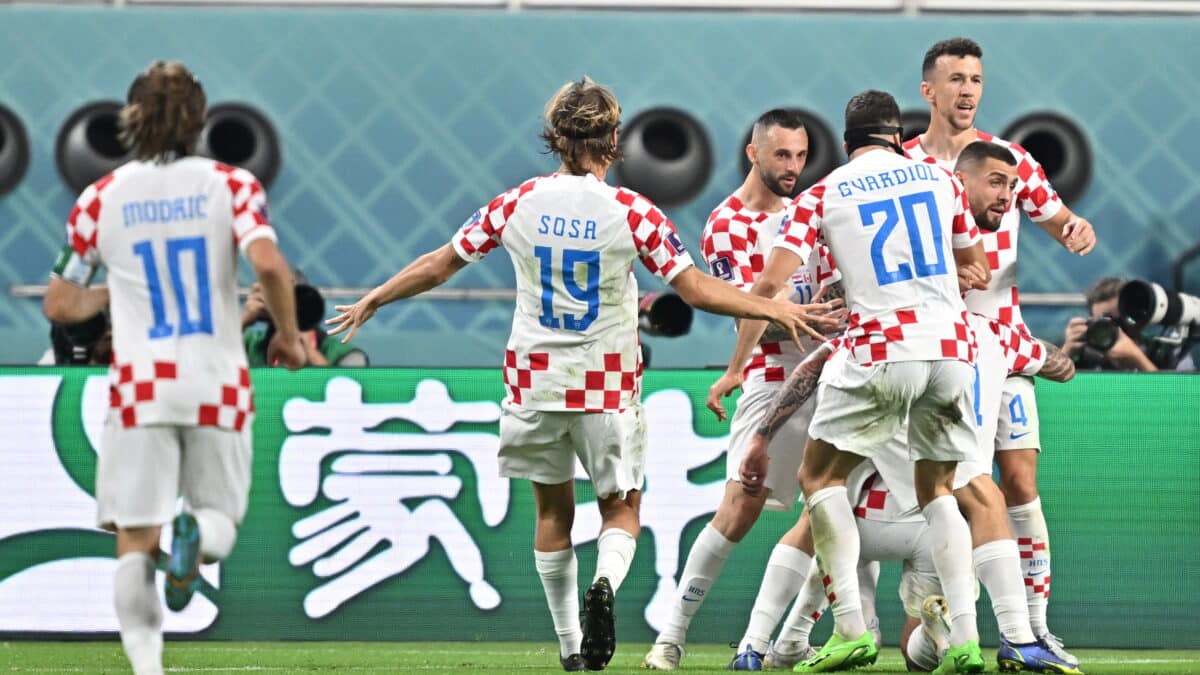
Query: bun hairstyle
[
  {"x": 164, "y": 112},
  {"x": 580, "y": 119}
]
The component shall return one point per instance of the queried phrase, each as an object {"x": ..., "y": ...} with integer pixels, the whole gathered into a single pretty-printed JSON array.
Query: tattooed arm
[
  {"x": 795, "y": 392},
  {"x": 1058, "y": 366},
  {"x": 799, "y": 388}
]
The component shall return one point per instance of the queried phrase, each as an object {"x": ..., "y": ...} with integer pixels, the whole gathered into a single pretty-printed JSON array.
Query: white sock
[
  {"x": 868, "y": 582},
  {"x": 952, "y": 558},
  {"x": 139, "y": 613},
  {"x": 835, "y": 537},
  {"x": 614, "y": 555},
  {"x": 559, "y": 572},
  {"x": 1033, "y": 541},
  {"x": 999, "y": 568},
  {"x": 703, "y": 566},
  {"x": 806, "y": 611},
  {"x": 922, "y": 650},
  {"x": 786, "y": 569},
  {"x": 217, "y": 534}
]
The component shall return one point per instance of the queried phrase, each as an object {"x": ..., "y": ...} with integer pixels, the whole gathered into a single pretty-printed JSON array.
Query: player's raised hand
[
  {"x": 808, "y": 318},
  {"x": 723, "y": 387},
  {"x": 1079, "y": 236},
  {"x": 753, "y": 470},
  {"x": 352, "y": 317},
  {"x": 287, "y": 350},
  {"x": 972, "y": 276}
]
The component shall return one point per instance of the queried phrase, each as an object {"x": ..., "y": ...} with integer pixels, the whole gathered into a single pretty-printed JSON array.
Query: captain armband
[{"x": 72, "y": 268}]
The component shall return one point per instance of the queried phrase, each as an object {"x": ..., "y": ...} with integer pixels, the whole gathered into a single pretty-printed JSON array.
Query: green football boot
[{"x": 841, "y": 654}]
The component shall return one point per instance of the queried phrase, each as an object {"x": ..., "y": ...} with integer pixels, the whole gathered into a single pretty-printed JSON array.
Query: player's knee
[
  {"x": 1019, "y": 487},
  {"x": 736, "y": 517}
]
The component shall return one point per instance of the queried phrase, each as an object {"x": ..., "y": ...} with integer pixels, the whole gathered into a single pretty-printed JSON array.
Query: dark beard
[{"x": 776, "y": 188}]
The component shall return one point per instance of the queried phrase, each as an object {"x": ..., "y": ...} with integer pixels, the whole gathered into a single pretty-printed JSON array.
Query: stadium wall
[
  {"x": 376, "y": 513},
  {"x": 397, "y": 124}
]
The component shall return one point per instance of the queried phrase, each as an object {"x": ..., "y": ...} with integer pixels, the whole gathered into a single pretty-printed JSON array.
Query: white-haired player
[
  {"x": 573, "y": 367},
  {"x": 952, "y": 84},
  {"x": 168, "y": 226}
]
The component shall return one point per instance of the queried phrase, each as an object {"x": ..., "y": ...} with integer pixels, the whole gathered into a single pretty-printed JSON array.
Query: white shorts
[
  {"x": 1018, "y": 427},
  {"x": 541, "y": 446},
  {"x": 909, "y": 542},
  {"x": 861, "y": 407},
  {"x": 786, "y": 448},
  {"x": 143, "y": 471}
]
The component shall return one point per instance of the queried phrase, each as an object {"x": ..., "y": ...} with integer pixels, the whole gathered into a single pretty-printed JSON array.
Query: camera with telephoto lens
[
  {"x": 1143, "y": 303},
  {"x": 1102, "y": 332},
  {"x": 1146, "y": 303}
]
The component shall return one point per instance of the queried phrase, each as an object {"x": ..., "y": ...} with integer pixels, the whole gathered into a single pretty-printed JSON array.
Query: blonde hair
[
  {"x": 164, "y": 112},
  {"x": 580, "y": 119}
]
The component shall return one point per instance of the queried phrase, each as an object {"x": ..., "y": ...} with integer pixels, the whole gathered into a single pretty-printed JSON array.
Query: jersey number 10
[
  {"x": 588, "y": 293},
  {"x": 920, "y": 265},
  {"x": 187, "y": 324}
]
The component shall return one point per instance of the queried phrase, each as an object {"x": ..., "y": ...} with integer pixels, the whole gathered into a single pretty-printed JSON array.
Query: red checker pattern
[
  {"x": 236, "y": 404},
  {"x": 962, "y": 346},
  {"x": 651, "y": 232},
  {"x": 605, "y": 390},
  {"x": 128, "y": 391},
  {"x": 85, "y": 217},
  {"x": 829, "y": 594},
  {"x": 519, "y": 379},
  {"x": 803, "y": 219},
  {"x": 869, "y": 340},
  {"x": 482, "y": 233},
  {"x": 732, "y": 232},
  {"x": 871, "y": 500}
]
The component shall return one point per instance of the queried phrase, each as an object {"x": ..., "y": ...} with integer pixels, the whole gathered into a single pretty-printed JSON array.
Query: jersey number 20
[
  {"x": 187, "y": 324},
  {"x": 588, "y": 293},
  {"x": 920, "y": 265}
]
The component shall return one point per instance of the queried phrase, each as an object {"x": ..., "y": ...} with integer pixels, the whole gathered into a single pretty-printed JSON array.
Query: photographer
[
  {"x": 1084, "y": 339},
  {"x": 310, "y": 310}
]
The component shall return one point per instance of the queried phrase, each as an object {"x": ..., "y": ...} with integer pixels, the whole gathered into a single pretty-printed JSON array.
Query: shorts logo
[
  {"x": 1013, "y": 437},
  {"x": 722, "y": 268}
]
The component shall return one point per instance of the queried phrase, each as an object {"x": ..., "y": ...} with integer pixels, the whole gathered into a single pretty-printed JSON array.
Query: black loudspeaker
[
  {"x": 914, "y": 123},
  {"x": 235, "y": 133},
  {"x": 824, "y": 150},
  {"x": 664, "y": 314},
  {"x": 1060, "y": 146},
  {"x": 14, "y": 150},
  {"x": 87, "y": 146},
  {"x": 666, "y": 156}
]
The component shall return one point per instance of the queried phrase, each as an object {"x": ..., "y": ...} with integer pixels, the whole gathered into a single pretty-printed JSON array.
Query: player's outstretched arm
[
  {"x": 1073, "y": 232},
  {"x": 718, "y": 297},
  {"x": 429, "y": 271},
  {"x": 1058, "y": 366},
  {"x": 67, "y": 303}
]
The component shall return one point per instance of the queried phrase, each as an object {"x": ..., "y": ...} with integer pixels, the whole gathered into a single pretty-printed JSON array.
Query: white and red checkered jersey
[
  {"x": 1036, "y": 197},
  {"x": 735, "y": 245},
  {"x": 891, "y": 223},
  {"x": 573, "y": 241},
  {"x": 169, "y": 235}
]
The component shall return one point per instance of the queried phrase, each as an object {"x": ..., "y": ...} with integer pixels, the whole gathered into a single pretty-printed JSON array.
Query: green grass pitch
[{"x": 455, "y": 657}]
